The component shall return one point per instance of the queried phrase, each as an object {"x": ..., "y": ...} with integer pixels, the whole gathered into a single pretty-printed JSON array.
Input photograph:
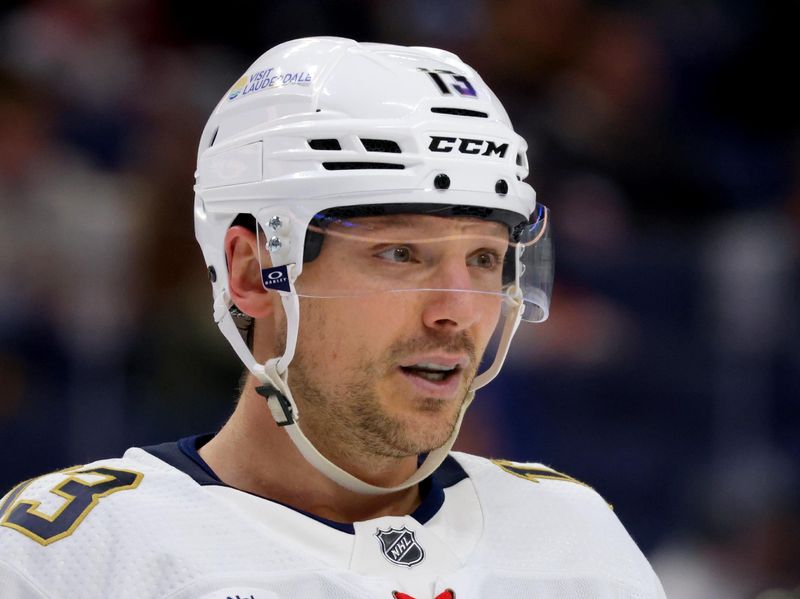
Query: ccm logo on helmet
[{"x": 484, "y": 147}]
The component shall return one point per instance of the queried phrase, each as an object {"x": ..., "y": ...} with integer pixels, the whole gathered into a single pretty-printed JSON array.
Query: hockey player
[{"x": 372, "y": 248}]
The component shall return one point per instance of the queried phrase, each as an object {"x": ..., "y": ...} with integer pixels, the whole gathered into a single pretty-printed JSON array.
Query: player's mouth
[{"x": 440, "y": 376}]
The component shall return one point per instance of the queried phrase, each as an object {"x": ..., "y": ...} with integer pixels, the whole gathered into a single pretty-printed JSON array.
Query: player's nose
[{"x": 451, "y": 304}]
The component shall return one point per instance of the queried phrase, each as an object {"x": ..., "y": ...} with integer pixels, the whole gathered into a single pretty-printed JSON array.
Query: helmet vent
[
  {"x": 520, "y": 161},
  {"x": 461, "y": 112},
  {"x": 381, "y": 145},
  {"x": 324, "y": 144},
  {"x": 352, "y": 166}
]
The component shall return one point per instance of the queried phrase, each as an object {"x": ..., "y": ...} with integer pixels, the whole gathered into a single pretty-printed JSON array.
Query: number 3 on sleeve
[{"x": 80, "y": 497}]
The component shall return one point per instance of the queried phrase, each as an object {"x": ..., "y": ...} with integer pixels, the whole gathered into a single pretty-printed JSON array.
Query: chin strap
[
  {"x": 509, "y": 328},
  {"x": 284, "y": 411},
  {"x": 275, "y": 389}
]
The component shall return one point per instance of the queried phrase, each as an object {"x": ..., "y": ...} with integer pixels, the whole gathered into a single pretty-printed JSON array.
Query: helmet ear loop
[
  {"x": 276, "y": 370},
  {"x": 312, "y": 246}
]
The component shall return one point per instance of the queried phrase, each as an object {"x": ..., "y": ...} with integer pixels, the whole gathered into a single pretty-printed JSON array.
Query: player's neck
[{"x": 251, "y": 453}]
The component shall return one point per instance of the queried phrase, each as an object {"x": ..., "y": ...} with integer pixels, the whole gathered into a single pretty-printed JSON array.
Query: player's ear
[{"x": 244, "y": 273}]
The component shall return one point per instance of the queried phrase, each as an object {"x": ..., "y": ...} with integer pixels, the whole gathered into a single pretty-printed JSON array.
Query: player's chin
[{"x": 431, "y": 423}]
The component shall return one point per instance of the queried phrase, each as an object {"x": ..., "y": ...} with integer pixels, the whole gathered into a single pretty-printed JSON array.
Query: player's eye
[
  {"x": 486, "y": 259},
  {"x": 399, "y": 253}
]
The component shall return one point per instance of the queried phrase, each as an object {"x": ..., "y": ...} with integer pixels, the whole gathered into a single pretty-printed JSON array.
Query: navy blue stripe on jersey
[
  {"x": 189, "y": 447},
  {"x": 449, "y": 473},
  {"x": 177, "y": 457},
  {"x": 184, "y": 456},
  {"x": 12, "y": 496}
]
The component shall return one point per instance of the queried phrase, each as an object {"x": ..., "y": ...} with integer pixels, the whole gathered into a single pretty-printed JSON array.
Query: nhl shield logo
[{"x": 400, "y": 546}]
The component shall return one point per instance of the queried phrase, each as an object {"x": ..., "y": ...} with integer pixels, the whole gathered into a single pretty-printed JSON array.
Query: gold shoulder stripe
[{"x": 536, "y": 473}]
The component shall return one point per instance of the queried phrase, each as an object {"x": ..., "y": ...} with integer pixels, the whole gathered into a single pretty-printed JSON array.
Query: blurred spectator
[{"x": 744, "y": 540}]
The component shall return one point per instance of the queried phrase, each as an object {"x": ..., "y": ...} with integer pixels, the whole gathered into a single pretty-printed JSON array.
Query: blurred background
[{"x": 664, "y": 138}]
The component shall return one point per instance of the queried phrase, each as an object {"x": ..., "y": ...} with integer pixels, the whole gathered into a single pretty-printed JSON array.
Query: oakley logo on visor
[
  {"x": 484, "y": 147},
  {"x": 275, "y": 278}
]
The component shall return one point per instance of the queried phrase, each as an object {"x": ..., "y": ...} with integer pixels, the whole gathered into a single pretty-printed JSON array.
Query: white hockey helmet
[{"x": 320, "y": 132}]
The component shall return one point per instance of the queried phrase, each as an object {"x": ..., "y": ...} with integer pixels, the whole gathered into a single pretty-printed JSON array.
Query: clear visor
[{"x": 355, "y": 251}]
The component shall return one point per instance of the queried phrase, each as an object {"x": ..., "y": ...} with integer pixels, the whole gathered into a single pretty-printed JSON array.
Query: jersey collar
[{"x": 184, "y": 456}]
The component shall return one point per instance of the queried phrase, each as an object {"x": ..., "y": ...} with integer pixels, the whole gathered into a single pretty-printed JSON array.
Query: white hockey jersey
[{"x": 158, "y": 523}]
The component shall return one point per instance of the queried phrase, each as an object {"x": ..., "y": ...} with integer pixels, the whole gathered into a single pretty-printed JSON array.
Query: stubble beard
[{"x": 346, "y": 420}]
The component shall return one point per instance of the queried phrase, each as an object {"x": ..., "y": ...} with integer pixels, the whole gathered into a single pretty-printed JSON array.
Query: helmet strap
[
  {"x": 509, "y": 328},
  {"x": 275, "y": 389},
  {"x": 283, "y": 408}
]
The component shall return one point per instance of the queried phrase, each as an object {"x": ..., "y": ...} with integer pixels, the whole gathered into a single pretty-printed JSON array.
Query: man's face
[{"x": 385, "y": 360}]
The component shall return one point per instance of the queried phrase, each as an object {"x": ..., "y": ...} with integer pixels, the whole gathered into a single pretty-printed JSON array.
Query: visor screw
[
  {"x": 274, "y": 244},
  {"x": 441, "y": 181},
  {"x": 501, "y": 187},
  {"x": 212, "y": 274},
  {"x": 275, "y": 223}
]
